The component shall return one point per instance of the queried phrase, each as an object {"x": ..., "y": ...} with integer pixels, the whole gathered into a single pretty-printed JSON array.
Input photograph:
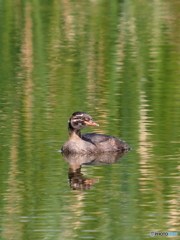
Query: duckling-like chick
[{"x": 89, "y": 142}]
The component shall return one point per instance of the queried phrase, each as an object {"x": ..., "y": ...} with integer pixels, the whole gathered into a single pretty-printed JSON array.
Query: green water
[{"x": 118, "y": 61}]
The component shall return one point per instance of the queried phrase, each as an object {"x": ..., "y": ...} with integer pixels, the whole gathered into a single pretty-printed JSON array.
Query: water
[{"x": 119, "y": 62}]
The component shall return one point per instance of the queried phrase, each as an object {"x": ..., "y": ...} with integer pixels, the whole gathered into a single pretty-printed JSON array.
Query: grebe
[{"x": 89, "y": 142}]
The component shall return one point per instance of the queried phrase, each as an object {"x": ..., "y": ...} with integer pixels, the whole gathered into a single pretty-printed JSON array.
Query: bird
[{"x": 89, "y": 142}]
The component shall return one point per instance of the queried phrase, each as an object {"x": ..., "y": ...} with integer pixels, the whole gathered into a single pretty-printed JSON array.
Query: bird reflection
[{"x": 77, "y": 180}]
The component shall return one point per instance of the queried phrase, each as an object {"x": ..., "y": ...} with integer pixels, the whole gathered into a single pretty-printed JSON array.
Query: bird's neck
[{"x": 73, "y": 131}]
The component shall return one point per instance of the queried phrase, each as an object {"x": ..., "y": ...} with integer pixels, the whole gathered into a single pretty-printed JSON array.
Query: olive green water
[{"x": 118, "y": 61}]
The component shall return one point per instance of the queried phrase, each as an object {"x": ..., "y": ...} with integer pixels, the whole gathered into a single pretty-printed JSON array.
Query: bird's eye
[{"x": 76, "y": 118}]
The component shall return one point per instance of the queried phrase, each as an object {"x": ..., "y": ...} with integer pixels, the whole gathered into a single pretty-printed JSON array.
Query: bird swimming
[{"x": 89, "y": 142}]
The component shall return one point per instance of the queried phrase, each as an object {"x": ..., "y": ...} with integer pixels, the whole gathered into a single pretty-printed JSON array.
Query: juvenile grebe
[{"x": 89, "y": 142}]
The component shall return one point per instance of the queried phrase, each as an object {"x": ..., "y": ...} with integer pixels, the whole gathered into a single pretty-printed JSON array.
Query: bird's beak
[{"x": 90, "y": 123}]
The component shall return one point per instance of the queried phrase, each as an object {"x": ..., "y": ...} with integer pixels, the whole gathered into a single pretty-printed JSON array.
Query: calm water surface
[{"x": 119, "y": 62}]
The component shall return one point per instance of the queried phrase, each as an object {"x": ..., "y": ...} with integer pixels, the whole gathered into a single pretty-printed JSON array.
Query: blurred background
[{"x": 119, "y": 61}]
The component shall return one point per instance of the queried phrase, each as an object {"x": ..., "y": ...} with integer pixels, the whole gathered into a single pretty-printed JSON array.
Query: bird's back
[{"x": 105, "y": 143}]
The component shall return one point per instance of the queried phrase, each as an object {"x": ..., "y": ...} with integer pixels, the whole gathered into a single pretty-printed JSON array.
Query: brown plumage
[{"x": 89, "y": 142}]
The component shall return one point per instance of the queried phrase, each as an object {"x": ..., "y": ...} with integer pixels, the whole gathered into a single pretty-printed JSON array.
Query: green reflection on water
[{"x": 118, "y": 61}]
